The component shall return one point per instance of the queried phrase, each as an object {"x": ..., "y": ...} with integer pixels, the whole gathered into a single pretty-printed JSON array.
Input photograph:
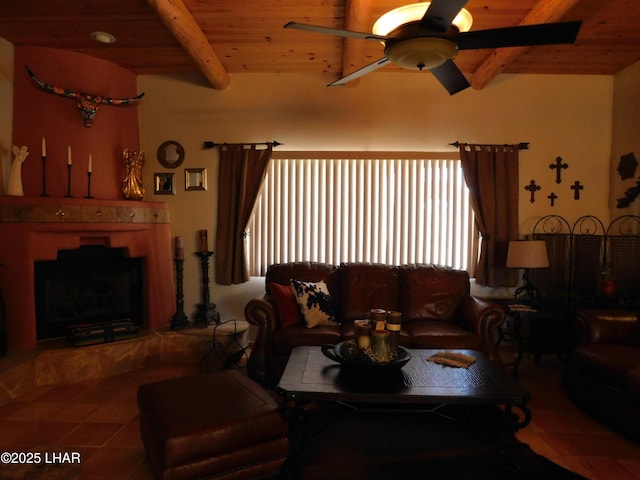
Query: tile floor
[
  {"x": 99, "y": 420},
  {"x": 96, "y": 418},
  {"x": 563, "y": 433}
]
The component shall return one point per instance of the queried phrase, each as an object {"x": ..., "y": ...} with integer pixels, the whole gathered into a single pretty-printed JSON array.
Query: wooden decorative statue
[
  {"x": 14, "y": 187},
  {"x": 87, "y": 103},
  {"x": 133, "y": 162}
]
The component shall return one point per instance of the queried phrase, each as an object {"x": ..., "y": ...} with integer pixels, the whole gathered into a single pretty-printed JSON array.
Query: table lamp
[{"x": 527, "y": 254}]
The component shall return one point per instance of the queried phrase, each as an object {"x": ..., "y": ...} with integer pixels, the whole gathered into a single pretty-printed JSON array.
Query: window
[{"x": 343, "y": 207}]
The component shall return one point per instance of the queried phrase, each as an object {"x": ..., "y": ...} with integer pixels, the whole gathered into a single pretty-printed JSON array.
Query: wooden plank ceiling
[{"x": 222, "y": 37}]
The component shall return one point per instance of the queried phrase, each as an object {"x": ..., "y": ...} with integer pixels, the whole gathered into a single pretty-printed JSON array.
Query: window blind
[{"x": 385, "y": 209}]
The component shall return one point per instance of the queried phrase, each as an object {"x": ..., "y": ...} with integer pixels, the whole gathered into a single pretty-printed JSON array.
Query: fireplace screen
[{"x": 88, "y": 285}]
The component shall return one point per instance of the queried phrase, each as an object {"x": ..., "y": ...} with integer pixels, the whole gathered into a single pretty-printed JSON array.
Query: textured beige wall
[{"x": 566, "y": 116}]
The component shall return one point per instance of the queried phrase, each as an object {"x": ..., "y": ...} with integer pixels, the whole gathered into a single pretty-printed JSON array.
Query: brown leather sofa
[
  {"x": 437, "y": 309},
  {"x": 602, "y": 374}
]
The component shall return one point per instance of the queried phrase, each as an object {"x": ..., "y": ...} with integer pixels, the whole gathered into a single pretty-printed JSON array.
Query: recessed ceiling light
[{"x": 103, "y": 37}]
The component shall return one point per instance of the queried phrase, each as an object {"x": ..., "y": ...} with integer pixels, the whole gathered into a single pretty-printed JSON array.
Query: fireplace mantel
[
  {"x": 80, "y": 210},
  {"x": 35, "y": 228}
]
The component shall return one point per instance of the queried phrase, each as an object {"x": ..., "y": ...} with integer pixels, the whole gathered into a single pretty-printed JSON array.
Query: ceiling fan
[{"x": 428, "y": 35}]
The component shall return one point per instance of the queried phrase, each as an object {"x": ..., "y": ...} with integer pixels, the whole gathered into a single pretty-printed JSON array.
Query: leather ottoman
[{"x": 219, "y": 425}]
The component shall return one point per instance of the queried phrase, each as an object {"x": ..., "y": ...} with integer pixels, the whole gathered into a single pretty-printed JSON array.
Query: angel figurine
[
  {"x": 14, "y": 187},
  {"x": 132, "y": 185}
]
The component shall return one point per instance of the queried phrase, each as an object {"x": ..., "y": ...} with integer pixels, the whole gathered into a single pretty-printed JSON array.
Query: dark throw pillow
[{"x": 286, "y": 304}]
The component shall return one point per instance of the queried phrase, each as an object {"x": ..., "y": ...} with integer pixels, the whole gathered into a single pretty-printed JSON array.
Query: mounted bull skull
[{"x": 87, "y": 103}]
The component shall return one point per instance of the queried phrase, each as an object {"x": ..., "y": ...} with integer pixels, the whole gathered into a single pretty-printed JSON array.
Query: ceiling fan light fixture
[
  {"x": 414, "y": 13},
  {"x": 103, "y": 37},
  {"x": 421, "y": 53}
]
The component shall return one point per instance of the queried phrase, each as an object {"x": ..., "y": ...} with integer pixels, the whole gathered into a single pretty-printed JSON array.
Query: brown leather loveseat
[
  {"x": 437, "y": 309},
  {"x": 602, "y": 374}
]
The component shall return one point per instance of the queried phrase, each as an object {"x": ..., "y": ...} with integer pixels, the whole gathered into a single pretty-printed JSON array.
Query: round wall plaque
[{"x": 170, "y": 154}]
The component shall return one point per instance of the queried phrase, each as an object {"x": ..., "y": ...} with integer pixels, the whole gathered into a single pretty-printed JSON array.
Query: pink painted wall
[{"x": 40, "y": 114}]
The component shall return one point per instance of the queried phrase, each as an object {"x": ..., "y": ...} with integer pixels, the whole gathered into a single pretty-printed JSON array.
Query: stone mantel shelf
[{"x": 15, "y": 209}]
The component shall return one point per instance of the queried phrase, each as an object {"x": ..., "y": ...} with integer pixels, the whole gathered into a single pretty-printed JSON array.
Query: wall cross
[
  {"x": 552, "y": 196},
  {"x": 576, "y": 187},
  {"x": 558, "y": 166},
  {"x": 533, "y": 188}
]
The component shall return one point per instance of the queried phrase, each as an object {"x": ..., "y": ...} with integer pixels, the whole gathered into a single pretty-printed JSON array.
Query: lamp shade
[
  {"x": 527, "y": 254},
  {"x": 414, "y": 13}
]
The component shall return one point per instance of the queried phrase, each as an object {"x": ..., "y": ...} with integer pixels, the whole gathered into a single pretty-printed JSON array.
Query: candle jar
[
  {"x": 609, "y": 289},
  {"x": 378, "y": 318},
  {"x": 363, "y": 333},
  {"x": 381, "y": 346},
  {"x": 394, "y": 321}
]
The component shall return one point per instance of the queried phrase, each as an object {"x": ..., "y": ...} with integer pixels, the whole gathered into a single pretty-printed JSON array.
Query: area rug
[
  {"x": 41, "y": 471},
  {"x": 449, "y": 444}
]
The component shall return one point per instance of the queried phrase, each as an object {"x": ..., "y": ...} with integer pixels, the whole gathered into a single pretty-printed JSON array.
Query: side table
[
  {"x": 550, "y": 330},
  {"x": 517, "y": 312},
  {"x": 228, "y": 344}
]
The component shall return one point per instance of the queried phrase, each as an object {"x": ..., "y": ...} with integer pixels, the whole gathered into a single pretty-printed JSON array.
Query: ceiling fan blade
[
  {"x": 334, "y": 31},
  {"x": 441, "y": 13},
  {"x": 450, "y": 76},
  {"x": 522, "y": 36},
  {"x": 359, "y": 73}
]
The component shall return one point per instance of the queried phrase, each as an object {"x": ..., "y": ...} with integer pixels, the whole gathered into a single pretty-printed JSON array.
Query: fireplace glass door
[{"x": 91, "y": 284}]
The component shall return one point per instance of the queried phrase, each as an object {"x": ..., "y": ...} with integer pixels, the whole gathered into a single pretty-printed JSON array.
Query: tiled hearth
[
  {"x": 55, "y": 362},
  {"x": 35, "y": 229}
]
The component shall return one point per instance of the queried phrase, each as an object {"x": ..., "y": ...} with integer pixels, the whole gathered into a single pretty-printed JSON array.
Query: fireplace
[
  {"x": 90, "y": 284},
  {"x": 35, "y": 231}
]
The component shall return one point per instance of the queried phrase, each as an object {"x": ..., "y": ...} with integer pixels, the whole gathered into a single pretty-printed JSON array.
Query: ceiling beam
[
  {"x": 187, "y": 32},
  {"x": 356, "y": 18},
  {"x": 545, "y": 11}
]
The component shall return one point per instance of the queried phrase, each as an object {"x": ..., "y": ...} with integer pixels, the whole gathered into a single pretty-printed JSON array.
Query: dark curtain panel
[
  {"x": 491, "y": 173},
  {"x": 241, "y": 172}
]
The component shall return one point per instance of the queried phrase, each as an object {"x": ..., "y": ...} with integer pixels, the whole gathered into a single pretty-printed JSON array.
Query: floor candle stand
[
  {"x": 207, "y": 313},
  {"x": 179, "y": 319}
]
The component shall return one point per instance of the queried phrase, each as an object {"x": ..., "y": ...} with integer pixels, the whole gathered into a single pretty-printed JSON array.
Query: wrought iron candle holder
[
  {"x": 179, "y": 319},
  {"x": 44, "y": 176},
  {"x": 68, "y": 180},
  {"x": 207, "y": 313},
  {"x": 88, "y": 185}
]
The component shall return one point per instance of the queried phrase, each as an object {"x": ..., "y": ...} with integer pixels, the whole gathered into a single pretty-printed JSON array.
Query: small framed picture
[
  {"x": 164, "y": 183},
  {"x": 195, "y": 179}
]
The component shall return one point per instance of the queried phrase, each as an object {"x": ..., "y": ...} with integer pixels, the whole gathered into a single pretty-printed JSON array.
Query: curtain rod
[
  {"x": 521, "y": 145},
  {"x": 208, "y": 144}
]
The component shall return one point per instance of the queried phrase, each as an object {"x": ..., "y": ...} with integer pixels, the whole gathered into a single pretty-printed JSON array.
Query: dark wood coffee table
[
  {"x": 311, "y": 376},
  {"x": 420, "y": 385}
]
